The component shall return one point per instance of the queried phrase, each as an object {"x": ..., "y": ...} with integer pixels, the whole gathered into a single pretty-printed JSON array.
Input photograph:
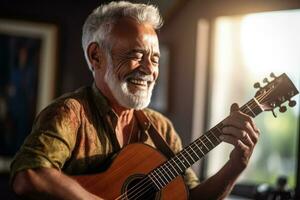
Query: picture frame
[{"x": 28, "y": 59}]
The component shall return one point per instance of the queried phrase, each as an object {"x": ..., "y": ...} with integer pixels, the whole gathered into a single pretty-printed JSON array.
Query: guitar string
[
  {"x": 243, "y": 109},
  {"x": 210, "y": 133}
]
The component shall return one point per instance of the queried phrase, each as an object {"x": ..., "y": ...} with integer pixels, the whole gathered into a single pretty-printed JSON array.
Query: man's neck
[
  {"x": 124, "y": 114},
  {"x": 125, "y": 127}
]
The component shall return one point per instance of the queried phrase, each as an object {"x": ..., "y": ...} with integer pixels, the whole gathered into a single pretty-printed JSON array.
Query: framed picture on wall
[{"x": 28, "y": 53}]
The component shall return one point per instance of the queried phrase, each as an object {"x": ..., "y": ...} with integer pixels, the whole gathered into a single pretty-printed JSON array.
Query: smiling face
[{"x": 132, "y": 63}]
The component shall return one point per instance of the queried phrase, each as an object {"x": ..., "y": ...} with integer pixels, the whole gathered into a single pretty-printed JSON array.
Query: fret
[
  {"x": 194, "y": 152},
  {"x": 161, "y": 179},
  {"x": 174, "y": 169},
  {"x": 154, "y": 182},
  {"x": 176, "y": 165},
  {"x": 190, "y": 154},
  {"x": 217, "y": 139},
  {"x": 184, "y": 158},
  {"x": 198, "y": 147},
  {"x": 181, "y": 168},
  {"x": 165, "y": 173},
  {"x": 244, "y": 108},
  {"x": 157, "y": 180},
  {"x": 259, "y": 106},
  {"x": 253, "y": 114},
  {"x": 219, "y": 129},
  {"x": 204, "y": 145},
  {"x": 213, "y": 145},
  {"x": 161, "y": 175},
  {"x": 253, "y": 106},
  {"x": 170, "y": 170}
]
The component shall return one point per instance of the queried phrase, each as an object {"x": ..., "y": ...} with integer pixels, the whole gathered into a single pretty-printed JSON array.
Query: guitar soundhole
[{"x": 139, "y": 187}]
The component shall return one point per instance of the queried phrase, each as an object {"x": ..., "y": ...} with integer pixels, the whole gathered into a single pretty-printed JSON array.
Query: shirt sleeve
[{"x": 51, "y": 140}]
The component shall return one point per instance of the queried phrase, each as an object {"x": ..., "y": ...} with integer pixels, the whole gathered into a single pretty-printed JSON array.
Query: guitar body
[{"x": 130, "y": 165}]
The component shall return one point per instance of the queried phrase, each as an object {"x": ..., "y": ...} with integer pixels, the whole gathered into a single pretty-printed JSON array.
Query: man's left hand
[{"x": 240, "y": 131}]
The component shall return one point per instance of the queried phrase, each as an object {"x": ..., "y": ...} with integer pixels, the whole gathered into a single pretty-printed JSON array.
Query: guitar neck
[{"x": 175, "y": 166}]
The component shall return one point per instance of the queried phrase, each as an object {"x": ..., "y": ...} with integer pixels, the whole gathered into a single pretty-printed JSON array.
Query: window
[{"x": 247, "y": 49}]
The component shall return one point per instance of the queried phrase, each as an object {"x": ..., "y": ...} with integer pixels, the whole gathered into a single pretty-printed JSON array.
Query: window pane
[{"x": 247, "y": 49}]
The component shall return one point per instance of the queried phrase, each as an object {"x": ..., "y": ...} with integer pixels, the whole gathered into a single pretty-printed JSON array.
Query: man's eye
[
  {"x": 137, "y": 56},
  {"x": 155, "y": 60}
]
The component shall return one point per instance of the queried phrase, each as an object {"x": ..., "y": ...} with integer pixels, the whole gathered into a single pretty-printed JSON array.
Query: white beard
[{"x": 119, "y": 89}]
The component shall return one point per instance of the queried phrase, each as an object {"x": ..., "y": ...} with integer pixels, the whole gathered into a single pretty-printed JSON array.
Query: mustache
[{"x": 139, "y": 75}]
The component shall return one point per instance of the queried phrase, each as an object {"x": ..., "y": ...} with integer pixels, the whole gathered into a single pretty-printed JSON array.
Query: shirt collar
[{"x": 101, "y": 101}]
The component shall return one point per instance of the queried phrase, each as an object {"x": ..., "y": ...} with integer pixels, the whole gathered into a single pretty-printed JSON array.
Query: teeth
[{"x": 138, "y": 82}]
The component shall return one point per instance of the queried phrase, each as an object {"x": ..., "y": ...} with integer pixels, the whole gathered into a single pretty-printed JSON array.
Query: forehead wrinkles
[
  {"x": 148, "y": 43},
  {"x": 127, "y": 33}
]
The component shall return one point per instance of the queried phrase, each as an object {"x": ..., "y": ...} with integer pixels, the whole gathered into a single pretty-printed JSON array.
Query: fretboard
[{"x": 175, "y": 166}]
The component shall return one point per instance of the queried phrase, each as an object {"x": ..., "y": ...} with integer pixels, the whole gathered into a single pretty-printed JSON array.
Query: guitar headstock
[{"x": 275, "y": 93}]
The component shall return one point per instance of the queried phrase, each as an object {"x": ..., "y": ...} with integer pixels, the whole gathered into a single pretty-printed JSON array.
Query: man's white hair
[{"x": 99, "y": 23}]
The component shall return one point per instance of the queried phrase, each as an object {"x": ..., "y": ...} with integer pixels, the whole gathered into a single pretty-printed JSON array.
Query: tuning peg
[
  {"x": 257, "y": 85},
  {"x": 272, "y": 75},
  {"x": 274, "y": 114},
  {"x": 292, "y": 103},
  {"x": 265, "y": 80},
  {"x": 282, "y": 109}
]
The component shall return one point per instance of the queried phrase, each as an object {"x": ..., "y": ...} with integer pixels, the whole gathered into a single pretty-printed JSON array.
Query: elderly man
[{"x": 81, "y": 131}]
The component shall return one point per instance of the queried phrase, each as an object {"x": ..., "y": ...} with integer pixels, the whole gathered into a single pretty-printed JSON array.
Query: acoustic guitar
[{"x": 141, "y": 172}]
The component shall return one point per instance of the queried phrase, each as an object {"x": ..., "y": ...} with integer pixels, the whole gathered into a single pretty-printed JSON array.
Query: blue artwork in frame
[
  {"x": 19, "y": 61},
  {"x": 28, "y": 53}
]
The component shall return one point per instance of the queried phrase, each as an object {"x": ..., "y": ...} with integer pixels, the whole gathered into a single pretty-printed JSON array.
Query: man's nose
[{"x": 147, "y": 66}]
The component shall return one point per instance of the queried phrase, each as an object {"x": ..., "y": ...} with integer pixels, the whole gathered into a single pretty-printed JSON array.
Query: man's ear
[{"x": 95, "y": 55}]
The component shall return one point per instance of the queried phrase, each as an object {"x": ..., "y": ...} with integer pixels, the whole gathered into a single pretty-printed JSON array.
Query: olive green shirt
[{"x": 76, "y": 134}]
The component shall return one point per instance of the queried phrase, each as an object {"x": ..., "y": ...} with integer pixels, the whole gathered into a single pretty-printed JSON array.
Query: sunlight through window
[{"x": 246, "y": 50}]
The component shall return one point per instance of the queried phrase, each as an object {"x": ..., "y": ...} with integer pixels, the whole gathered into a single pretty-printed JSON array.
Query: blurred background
[{"x": 212, "y": 54}]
